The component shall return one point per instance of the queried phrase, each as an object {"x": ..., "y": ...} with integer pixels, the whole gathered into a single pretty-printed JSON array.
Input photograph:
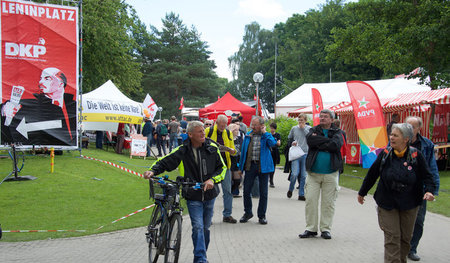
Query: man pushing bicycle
[{"x": 198, "y": 160}]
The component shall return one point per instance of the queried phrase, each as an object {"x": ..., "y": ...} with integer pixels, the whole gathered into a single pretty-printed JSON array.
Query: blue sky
[{"x": 221, "y": 23}]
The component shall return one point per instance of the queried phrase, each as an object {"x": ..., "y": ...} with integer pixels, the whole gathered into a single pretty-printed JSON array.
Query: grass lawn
[{"x": 81, "y": 194}]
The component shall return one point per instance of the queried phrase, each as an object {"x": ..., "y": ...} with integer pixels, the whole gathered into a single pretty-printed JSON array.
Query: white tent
[
  {"x": 334, "y": 93},
  {"x": 105, "y": 107}
]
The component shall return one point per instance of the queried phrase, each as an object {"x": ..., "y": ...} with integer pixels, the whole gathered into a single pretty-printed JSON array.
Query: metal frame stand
[{"x": 16, "y": 170}]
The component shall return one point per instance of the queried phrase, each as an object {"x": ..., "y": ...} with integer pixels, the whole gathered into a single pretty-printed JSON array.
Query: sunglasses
[{"x": 207, "y": 124}]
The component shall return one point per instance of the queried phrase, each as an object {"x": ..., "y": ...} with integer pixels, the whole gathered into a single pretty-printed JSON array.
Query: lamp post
[
  {"x": 257, "y": 78},
  {"x": 160, "y": 109}
]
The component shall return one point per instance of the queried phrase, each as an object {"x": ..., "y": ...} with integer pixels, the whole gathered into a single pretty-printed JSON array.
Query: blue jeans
[
  {"x": 298, "y": 167},
  {"x": 227, "y": 195},
  {"x": 201, "y": 214},
  {"x": 173, "y": 141},
  {"x": 418, "y": 227},
  {"x": 263, "y": 190}
]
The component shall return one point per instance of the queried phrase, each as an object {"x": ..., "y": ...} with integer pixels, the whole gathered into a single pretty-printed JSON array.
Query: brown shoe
[{"x": 229, "y": 219}]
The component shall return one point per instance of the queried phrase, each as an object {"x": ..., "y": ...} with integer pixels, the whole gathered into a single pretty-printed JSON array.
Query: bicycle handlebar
[{"x": 165, "y": 179}]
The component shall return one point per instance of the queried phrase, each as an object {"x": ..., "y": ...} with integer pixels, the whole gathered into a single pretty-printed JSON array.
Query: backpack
[
  {"x": 163, "y": 130},
  {"x": 211, "y": 130},
  {"x": 410, "y": 158}
]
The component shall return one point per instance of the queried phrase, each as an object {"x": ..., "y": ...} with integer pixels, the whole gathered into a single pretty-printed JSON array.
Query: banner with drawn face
[{"x": 39, "y": 74}]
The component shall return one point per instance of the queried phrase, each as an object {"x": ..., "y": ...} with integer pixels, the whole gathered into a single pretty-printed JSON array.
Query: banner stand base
[{"x": 21, "y": 178}]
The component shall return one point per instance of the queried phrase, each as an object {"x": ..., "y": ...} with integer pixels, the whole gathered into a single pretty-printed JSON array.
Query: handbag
[{"x": 295, "y": 152}]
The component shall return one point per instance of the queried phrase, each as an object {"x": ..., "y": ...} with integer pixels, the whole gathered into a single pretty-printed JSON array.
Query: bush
[{"x": 284, "y": 125}]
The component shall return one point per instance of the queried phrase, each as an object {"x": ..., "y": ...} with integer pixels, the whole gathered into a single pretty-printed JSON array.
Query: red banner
[
  {"x": 369, "y": 120},
  {"x": 317, "y": 106},
  {"x": 39, "y": 74}
]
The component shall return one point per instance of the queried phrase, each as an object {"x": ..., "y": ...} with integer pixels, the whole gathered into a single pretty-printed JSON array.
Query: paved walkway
[{"x": 356, "y": 237}]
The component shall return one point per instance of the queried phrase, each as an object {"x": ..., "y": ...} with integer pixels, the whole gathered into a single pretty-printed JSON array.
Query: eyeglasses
[{"x": 207, "y": 124}]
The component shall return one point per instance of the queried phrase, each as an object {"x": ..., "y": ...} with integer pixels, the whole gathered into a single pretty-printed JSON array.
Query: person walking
[
  {"x": 256, "y": 161},
  {"x": 161, "y": 133},
  {"x": 323, "y": 163},
  {"x": 220, "y": 134},
  {"x": 405, "y": 181},
  {"x": 298, "y": 167},
  {"x": 426, "y": 147},
  {"x": 275, "y": 152},
  {"x": 147, "y": 131},
  {"x": 173, "y": 133},
  {"x": 201, "y": 161}
]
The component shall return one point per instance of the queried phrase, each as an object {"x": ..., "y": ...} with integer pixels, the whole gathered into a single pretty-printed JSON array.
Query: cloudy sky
[{"x": 221, "y": 23}]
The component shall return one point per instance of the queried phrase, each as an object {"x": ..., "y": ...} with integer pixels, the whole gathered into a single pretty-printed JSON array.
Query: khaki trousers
[
  {"x": 398, "y": 227},
  {"x": 325, "y": 187}
]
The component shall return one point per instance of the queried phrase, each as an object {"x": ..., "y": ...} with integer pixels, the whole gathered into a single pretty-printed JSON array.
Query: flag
[
  {"x": 369, "y": 119},
  {"x": 150, "y": 107},
  {"x": 259, "y": 108},
  {"x": 181, "y": 103},
  {"x": 317, "y": 106}
]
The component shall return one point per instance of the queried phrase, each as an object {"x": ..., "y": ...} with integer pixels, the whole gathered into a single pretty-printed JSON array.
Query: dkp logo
[{"x": 24, "y": 50}]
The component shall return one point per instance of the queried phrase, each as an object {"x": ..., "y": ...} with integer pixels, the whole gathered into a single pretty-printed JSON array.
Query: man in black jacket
[
  {"x": 198, "y": 160},
  {"x": 323, "y": 163}
]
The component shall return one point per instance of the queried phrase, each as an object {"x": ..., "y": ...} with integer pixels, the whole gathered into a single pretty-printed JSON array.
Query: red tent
[{"x": 227, "y": 102}]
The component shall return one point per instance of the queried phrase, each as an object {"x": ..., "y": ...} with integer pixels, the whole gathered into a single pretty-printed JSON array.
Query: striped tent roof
[
  {"x": 308, "y": 110},
  {"x": 408, "y": 100},
  {"x": 348, "y": 109}
]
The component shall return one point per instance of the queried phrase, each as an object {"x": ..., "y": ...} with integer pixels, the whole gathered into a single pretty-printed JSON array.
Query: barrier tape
[
  {"x": 135, "y": 212},
  {"x": 113, "y": 164},
  {"x": 40, "y": 231}
]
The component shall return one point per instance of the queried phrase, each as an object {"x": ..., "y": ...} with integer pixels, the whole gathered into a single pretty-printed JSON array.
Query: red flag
[
  {"x": 181, "y": 103},
  {"x": 254, "y": 97},
  {"x": 259, "y": 108},
  {"x": 369, "y": 120},
  {"x": 317, "y": 106}
]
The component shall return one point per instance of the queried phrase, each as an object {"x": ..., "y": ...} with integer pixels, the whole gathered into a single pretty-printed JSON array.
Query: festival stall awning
[
  {"x": 106, "y": 106},
  {"x": 409, "y": 100},
  {"x": 227, "y": 103}
]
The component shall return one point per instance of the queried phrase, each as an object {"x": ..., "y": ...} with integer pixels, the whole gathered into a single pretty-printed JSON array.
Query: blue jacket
[
  {"x": 427, "y": 149},
  {"x": 265, "y": 157}
]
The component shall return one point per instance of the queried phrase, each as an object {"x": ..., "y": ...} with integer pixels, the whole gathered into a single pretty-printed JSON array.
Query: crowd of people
[{"x": 225, "y": 151}]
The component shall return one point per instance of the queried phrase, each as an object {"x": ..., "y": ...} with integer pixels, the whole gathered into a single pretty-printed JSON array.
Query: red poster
[
  {"x": 353, "y": 153},
  {"x": 441, "y": 123},
  {"x": 39, "y": 74},
  {"x": 317, "y": 106}
]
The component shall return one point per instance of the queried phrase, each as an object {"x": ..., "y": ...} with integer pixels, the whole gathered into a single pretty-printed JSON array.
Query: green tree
[
  {"x": 176, "y": 64},
  {"x": 397, "y": 37},
  {"x": 109, "y": 50}
]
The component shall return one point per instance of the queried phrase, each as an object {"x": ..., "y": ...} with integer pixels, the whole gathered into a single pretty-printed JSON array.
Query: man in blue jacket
[
  {"x": 427, "y": 148},
  {"x": 256, "y": 161}
]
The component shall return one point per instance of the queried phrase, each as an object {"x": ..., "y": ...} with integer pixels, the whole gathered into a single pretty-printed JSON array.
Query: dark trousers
[
  {"x": 249, "y": 179},
  {"x": 99, "y": 139},
  {"x": 161, "y": 143},
  {"x": 418, "y": 227}
]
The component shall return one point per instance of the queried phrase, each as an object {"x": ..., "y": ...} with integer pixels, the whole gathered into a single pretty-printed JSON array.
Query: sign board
[
  {"x": 39, "y": 74},
  {"x": 138, "y": 145}
]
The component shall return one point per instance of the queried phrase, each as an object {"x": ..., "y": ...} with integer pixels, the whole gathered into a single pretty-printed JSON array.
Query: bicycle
[{"x": 164, "y": 230}]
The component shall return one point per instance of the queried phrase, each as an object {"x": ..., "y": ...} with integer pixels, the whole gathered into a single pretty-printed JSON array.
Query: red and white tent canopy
[{"x": 409, "y": 100}]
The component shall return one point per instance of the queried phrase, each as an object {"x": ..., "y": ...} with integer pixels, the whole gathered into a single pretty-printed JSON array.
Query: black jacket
[
  {"x": 211, "y": 167},
  {"x": 319, "y": 143},
  {"x": 403, "y": 180}
]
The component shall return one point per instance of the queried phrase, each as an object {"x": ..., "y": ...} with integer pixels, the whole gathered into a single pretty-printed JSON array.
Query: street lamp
[
  {"x": 160, "y": 109},
  {"x": 257, "y": 78}
]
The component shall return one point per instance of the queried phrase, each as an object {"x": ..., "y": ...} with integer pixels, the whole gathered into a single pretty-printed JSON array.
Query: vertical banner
[
  {"x": 369, "y": 120},
  {"x": 149, "y": 107},
  {"x": 39, "y": 74},
  {"x": 317, "y": 105}
]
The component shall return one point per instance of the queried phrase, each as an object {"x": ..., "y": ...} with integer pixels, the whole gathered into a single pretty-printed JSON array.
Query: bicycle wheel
[
  {"x": 153, "y": 235},
  {"x": 174, "y": 240}
]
